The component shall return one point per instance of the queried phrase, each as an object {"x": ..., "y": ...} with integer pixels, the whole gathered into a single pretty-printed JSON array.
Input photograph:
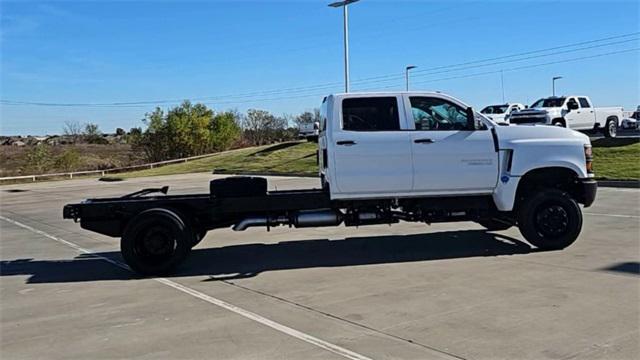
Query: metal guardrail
[{"x": 104, "y": 172}]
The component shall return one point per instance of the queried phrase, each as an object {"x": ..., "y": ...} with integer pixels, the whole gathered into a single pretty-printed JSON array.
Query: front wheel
[
  {"x": 611, "y": 129},
  {"x": 550, "y": 219},
  {"x": 156, "y": 241}
]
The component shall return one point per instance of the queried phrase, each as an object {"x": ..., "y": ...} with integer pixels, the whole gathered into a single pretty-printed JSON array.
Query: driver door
[
  {"x": 447, "y": 156},
  {"x": 577, "y": 118}
]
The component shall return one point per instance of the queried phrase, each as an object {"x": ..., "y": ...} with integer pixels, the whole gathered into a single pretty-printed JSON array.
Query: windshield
[
  {"x": 549, "y": 102},
  {"x": 495, "y": 109}
]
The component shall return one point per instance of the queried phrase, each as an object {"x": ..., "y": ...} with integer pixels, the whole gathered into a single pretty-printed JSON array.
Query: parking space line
[
  {"x": 336, "y": 349},
  {"x": 614, "y": 215}
]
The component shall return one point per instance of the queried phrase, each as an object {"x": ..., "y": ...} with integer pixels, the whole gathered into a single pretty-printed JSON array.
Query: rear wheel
[
  {"x": 494, "y": 224},
  {"x": 156, "y": 241},
  {"x": 611, "y": 128},
  {"x": 550, "y": 219}
]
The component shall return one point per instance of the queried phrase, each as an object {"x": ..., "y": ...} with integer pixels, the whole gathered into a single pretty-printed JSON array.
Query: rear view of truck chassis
[{"x": 157, "y": 230}]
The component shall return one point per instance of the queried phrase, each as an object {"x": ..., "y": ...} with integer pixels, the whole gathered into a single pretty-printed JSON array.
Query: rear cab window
[{"x": 370, "y": 114}]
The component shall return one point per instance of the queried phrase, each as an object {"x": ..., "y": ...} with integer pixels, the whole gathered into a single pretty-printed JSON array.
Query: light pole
[
  {"x": 344, "y": 4},
  {"x": 406, "y": 74},
  {"x": 553, "y": 84}
]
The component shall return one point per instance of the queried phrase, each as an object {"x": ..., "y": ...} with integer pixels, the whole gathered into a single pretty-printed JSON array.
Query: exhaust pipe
[
  {"x": 250, "y": 221},
  {"x": 299, "y": 219}
]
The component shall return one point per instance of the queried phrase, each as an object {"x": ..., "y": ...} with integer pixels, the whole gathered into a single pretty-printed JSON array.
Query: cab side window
[
  {"x": 437, "y": 114},
  {"x": 370, "y": 114},
  {"x": 584, "y": 103}
]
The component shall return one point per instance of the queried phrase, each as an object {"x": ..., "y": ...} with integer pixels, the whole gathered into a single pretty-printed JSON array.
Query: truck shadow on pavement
[{"x": 249, "y": 260}]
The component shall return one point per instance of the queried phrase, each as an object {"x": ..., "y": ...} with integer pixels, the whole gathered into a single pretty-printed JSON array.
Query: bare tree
[
  {"x": 307, "y": 117},
  {"x": 261, "y": 127},
  {"x": 72, "y": 129}
]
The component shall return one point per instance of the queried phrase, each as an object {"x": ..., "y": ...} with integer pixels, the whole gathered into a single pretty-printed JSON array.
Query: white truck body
[
  {"x": 409, "y": 159},
  {"x": 574, "y": 112},
  {"x": 502, "y": 112},
  {"x": 383, "y": 158}
]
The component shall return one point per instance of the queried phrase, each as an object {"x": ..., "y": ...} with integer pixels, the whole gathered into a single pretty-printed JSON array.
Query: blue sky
[{"x": 235, "y": 53}]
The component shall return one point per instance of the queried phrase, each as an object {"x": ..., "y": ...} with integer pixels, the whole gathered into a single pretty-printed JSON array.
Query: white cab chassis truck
[
  {"x": 574, "y": 112},
  {"x": 383, "y": 158}
]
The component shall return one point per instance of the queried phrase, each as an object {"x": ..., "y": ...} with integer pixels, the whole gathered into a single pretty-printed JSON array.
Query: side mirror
[
  {"x": 471, "y": 119},
  {"x": 572, "y": 105}
]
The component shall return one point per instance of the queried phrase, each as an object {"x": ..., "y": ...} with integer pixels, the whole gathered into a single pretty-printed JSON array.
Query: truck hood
[{"x": 510, "y": 136}]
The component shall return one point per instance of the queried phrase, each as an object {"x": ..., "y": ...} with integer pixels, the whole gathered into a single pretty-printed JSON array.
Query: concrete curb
[{"x": 631, "y": 184}]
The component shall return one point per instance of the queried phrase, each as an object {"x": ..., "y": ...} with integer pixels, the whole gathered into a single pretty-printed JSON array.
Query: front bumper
[{"x": 589, "y": 189}]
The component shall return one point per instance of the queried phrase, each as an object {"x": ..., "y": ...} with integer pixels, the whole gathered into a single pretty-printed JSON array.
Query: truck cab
[{"x": 399, "y": 145}]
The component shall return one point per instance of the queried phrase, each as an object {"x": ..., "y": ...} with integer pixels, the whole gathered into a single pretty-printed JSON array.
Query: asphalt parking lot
[{"x": 409, "y": 291}]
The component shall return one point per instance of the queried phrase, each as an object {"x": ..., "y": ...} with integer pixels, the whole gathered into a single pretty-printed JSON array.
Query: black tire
[
  {"x": 550, "y": 219},
  {"x": 494, "y": 224},
  {"x": 611, "y": 128},
  {"x": 156, "y": 241},
  {"x": 558, "y": 122}
]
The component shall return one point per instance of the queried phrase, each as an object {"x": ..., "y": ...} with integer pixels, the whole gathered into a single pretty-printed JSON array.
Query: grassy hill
[
  {"x": 287, "y": 158},
  {"x": 617, "y": 159}
]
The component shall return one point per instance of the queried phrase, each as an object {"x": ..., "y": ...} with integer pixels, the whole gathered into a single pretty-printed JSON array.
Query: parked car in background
[
  {"x": 309, "y": 131},
  {"x": 574, "y": 112},
  {"x": 501, "y": 113},
  {"x": 632, "y": 121}
]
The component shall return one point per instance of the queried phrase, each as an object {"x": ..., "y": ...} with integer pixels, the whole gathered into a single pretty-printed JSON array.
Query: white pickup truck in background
[
  {"x": 574, "y": 112},
  {"x": 309, "y": 131},
  {"x": 501, "y": 113}
]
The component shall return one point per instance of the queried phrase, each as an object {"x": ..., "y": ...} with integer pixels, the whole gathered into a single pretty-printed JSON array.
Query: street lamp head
[
  {"x": 342, "y": 3},
  {"x": 409, "y": 67},
  {"x": 557, "y": 77}
]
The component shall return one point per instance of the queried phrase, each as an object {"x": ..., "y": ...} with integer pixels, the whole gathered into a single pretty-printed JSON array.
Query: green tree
[
  {"x": 225, "y": 130},
  {"x": 155, "y": 140},
  {"x": 38, "y": 158},
  {"x": 69, "y": 160},
  {"x": 186, "y": 130}
]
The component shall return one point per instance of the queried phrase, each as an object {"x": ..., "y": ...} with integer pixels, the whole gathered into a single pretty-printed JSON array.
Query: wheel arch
[
  {"x": 558, "y": 177},
  {"x": 559, "y": 119}
]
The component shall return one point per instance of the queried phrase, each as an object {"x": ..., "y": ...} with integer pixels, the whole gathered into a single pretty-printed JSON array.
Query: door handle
[
  {"x": 423, "y": 141},
  {"x": 346, "y": 142}
]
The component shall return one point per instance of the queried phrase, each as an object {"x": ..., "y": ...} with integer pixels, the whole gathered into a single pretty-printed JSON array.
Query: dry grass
[{"x": 13, "y": 160}]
